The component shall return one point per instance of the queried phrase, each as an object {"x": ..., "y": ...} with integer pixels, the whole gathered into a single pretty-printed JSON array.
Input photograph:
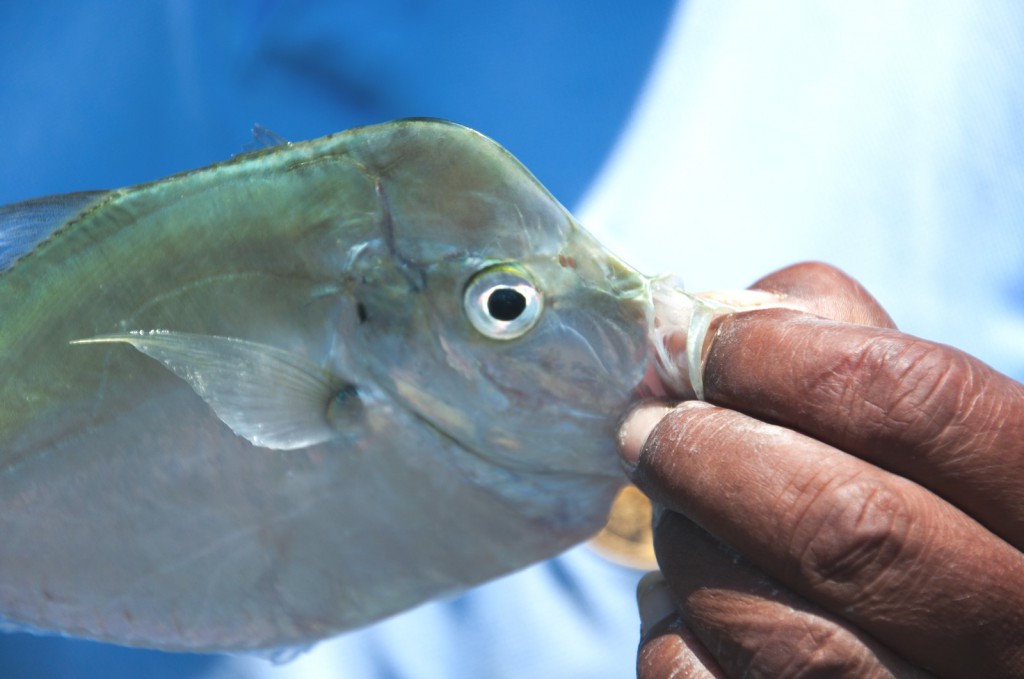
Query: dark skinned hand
[{"x": 849, "y": 502}]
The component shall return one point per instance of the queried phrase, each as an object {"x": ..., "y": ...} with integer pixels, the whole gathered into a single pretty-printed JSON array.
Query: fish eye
[{"x": 502, "y": 302}]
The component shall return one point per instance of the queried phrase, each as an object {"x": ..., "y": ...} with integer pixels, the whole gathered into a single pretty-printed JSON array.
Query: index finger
[{"x": 926, "y": 411}]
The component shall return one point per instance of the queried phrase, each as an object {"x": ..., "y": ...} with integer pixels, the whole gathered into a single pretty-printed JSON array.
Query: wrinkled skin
[{"x": 867, "y": 484}]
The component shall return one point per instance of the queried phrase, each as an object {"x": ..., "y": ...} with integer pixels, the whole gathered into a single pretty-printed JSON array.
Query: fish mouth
[
  {"x": 681, "y": 330},
  {"x": 651, "y": 387}
]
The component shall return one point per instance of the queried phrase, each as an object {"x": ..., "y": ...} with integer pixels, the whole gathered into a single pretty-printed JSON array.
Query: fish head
[{"x": 488, "y": 311}]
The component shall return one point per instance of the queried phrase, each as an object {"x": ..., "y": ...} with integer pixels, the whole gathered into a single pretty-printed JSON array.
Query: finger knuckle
[
  {"x": 852, "y": 537},
  {"x": 906, "y": 389},
  {"x": 809, "y": 651}
]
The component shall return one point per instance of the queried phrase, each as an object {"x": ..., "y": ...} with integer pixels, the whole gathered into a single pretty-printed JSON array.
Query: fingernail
[
  {"x": 635, "y": 429},
  {"x": 744, "y": 300},
  {"x": 654, "y": 601}
]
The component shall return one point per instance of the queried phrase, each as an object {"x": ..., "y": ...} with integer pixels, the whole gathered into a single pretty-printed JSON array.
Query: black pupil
[{"x": 506, "y": 304}]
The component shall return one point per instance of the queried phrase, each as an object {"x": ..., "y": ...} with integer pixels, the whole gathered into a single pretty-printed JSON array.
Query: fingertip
[
  {"x": 654, "y": 601},
  {"x": 648, "y": 582},
  {"x": 635, "y": 429},
  {"x": 667, "y": 647}
]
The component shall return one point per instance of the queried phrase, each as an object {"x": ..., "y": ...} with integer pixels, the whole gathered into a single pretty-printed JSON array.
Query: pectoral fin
[{"x": 270, "y": 397}]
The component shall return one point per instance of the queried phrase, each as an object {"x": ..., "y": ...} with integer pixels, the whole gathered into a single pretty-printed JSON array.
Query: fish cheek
[{"x": 414, "y": 343}]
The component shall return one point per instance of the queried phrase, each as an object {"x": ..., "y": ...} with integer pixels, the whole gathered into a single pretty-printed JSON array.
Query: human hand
[{"x": 873, "y": 483}]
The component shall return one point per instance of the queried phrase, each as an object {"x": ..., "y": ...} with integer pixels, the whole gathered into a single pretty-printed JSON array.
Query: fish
[{"x": 256, "y": 404}]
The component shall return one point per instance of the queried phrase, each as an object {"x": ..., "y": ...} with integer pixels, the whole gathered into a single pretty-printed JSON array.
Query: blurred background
[{"x": 111, "y": 93}]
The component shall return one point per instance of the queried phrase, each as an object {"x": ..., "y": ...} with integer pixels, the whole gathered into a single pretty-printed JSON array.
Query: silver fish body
[{"x": 244, "y": 407}]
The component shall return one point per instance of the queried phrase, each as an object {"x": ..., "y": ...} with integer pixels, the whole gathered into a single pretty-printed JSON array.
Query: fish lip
[{"x": 651, "y": 386}]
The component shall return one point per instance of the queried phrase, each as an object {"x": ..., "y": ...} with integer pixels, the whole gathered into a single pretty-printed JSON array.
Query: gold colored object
[{"x": 627, "y": 537}]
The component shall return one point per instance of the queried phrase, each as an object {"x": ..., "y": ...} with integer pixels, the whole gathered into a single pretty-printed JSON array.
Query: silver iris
[{"x": 502, "y": 302}]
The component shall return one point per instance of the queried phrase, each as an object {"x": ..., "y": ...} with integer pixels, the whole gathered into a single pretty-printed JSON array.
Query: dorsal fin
[
  {"x": 263, "y": 138},
  {"x": 25, "y": 225}
]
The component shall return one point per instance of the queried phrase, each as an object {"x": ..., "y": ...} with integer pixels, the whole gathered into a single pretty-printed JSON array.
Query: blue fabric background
[{"x": 110, "y": 93}]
